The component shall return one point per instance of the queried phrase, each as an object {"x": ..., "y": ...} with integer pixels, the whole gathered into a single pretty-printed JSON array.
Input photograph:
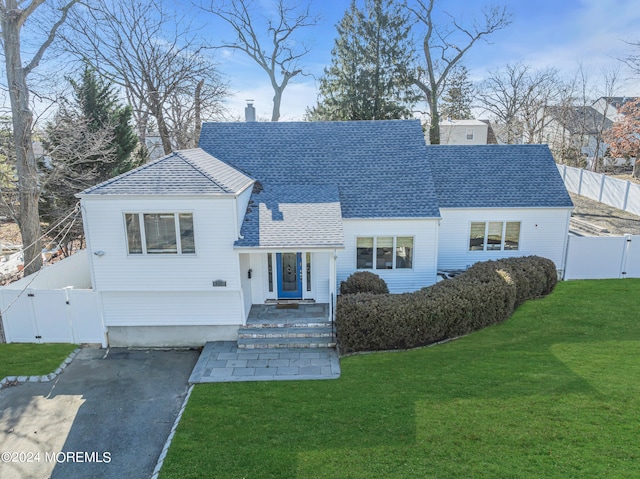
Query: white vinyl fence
[
  {"x": 603, "y": 257},
  {"x": 620, "y": 194},
  {"x": 55, "y": 305}
]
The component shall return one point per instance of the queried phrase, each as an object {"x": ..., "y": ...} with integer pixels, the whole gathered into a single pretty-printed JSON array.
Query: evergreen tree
[
  {"x": 97, "y": 102},
  {"x": 458, "y": 96},
  {"x": 89, "y": 140},
  {"x": 368, "y": 78}
]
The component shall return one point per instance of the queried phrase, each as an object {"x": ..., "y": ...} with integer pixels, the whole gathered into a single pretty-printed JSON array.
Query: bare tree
[
  {"x": 13, "y": 15},
  {"x": 76, "y": 154},
  {"x": 144, "y": 49},
  {"x": 444, "y": 47},
  {"x": 516, "y": 97},
  {"x": 271, "y": 45},
  {"x": 187, "y": 108}
]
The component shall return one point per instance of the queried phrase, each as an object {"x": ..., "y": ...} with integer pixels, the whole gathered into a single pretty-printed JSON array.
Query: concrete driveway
[{"x": 107, "y": 415}]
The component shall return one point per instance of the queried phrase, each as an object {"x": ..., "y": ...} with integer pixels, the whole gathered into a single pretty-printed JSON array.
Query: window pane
[
  {"x": 134, "y": 240},
  {"x": 476, "y": 237},
  {"x": 160, "y": 232},
  {"x": 512, "y": 236},
  {"x": 384, "y": 253},
  {"x": 364, "y": 253},
  {"x": 404, "y": 252},
  {"x": 494, "y": 240},
  {"x": 187, "y": 243},
  {"x": 308, "y": 271}
]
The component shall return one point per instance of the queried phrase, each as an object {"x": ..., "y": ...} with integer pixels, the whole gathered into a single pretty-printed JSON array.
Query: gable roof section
[
  {"x": 185, "y": 172},
  {"x": 293, "y": 216},
  {"x": 377, "y": 166},
  {"x": 497, "y": 176},
  {"x": 580, "y": 119}
]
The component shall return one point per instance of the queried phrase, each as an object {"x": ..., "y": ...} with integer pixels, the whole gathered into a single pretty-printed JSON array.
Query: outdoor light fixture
[{"x": 99, "y": 253}]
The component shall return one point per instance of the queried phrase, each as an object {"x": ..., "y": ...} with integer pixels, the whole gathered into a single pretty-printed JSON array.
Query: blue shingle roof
[
  {"x": 293, "y": 216},
  {"x": 496, "y": 176},
  {"x": 377, "y": 166},
  {"x": 182, "y": 172}
]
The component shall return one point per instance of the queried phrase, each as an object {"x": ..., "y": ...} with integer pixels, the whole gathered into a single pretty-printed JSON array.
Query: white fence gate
[
  {"x": 603, "y": 257},
  {"x": 54, "y": 306}
]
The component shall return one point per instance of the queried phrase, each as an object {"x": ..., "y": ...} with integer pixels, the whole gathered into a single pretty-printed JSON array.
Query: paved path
[
  {"x": 107, "y": 415},
  {"x": 222, "y": 361}
]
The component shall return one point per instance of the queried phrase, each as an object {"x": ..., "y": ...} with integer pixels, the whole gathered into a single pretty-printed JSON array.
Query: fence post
[
  {"x": 603, "y": 177},
  {"x": 626, "y": 196},
  {"x": 580, "y": 182},
  {"x": 625, "y": 255}
]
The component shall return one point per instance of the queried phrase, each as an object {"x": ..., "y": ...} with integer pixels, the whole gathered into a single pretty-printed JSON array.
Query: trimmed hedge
[
  {"x": 485, "y": 294},
  {"x": 364, "y": 282}
]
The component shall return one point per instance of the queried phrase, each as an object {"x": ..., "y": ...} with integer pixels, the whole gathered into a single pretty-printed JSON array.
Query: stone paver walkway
[{"x": 222, "y": 361}]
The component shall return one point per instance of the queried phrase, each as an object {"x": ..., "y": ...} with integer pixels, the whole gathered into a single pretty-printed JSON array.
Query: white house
[
  {"x": 463, "y": 132},
  {"x": 181, "y": 248}
]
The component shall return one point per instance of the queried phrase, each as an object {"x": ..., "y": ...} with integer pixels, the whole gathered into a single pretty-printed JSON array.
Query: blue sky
[{"x": 544, "y": 33}]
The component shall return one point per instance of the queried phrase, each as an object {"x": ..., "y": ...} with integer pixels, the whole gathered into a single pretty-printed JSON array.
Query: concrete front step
[
  {"x": 279, "y": 343},
  {"x": 297, "y": 323},
  {"x": 279, "y": 332}
]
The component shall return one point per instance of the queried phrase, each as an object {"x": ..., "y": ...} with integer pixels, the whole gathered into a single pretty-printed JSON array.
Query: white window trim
[
  {"x": 470, "y": 132},
  {"x": 143, "y": 234},
  {"x": 503, "y": 238},
  {"x": 393, "y": 260}
]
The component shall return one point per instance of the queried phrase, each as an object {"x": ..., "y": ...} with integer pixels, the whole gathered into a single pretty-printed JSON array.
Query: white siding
[
  {"x": 214, "y": 227},
  {"x": 241, "y": 207},
  {"x": 319, "y": 278},
  {"x": 543, "y": 232},
  {"x": 425, "y": 244},
  {"x": 137, "y": 308},
  {"x": 165, "y": 289},
  {"x": 245, "y": 266}
]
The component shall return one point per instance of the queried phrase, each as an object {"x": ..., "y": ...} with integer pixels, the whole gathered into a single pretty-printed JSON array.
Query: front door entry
[{"x": 289, "y": 266}]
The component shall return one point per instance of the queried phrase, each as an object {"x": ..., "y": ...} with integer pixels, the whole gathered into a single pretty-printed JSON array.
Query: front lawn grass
[
  {"x": 32, "y": 359},
  {"x": 552, "y": 392}
]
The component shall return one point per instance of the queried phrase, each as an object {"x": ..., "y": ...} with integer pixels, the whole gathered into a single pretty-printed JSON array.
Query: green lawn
[
  {"x": 552, "y": 392},
  {"x": 32, "y": 359}
]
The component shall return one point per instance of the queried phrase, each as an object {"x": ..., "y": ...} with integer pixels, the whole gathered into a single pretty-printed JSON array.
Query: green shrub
[
  {"x": 363, "y": 282},
  {"x": 487, "y": 293}
]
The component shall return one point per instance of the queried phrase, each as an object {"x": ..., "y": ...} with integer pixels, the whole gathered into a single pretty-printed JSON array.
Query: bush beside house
[
  {"x": 364, "y": 282},
  {"x": 485, "y": 294}
]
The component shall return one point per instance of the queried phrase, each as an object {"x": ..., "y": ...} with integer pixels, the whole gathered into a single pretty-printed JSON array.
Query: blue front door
[{"x": 289, "y": 266}]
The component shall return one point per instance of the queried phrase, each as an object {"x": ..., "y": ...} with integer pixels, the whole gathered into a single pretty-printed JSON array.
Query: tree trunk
[
  {"x": 25, "y": 159},
  {"x": 277, "y": 99},
  {"x": 636, "y": 168},
  {"x": 198, "y": 108},
  {"x": 434, "y": 127}
]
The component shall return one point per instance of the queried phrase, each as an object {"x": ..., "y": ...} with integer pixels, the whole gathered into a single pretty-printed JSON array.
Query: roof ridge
[{"x": 202, "y": 171}]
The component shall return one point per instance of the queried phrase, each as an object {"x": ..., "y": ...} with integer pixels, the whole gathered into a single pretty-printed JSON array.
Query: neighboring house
[
  {"x": 609, "y": 106},
  {"x": 463, "y": 132},
  {"x": 183, "y": 246},
  {"x": 574, "y": 133}
]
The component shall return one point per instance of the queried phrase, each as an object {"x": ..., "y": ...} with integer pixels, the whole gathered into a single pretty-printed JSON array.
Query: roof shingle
[
  {"x": 496, "y": 176},
  {"x": 293, "y": 216},
  {"x": 377, "y": 166},
  {"x": 190, "y": 172}
]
